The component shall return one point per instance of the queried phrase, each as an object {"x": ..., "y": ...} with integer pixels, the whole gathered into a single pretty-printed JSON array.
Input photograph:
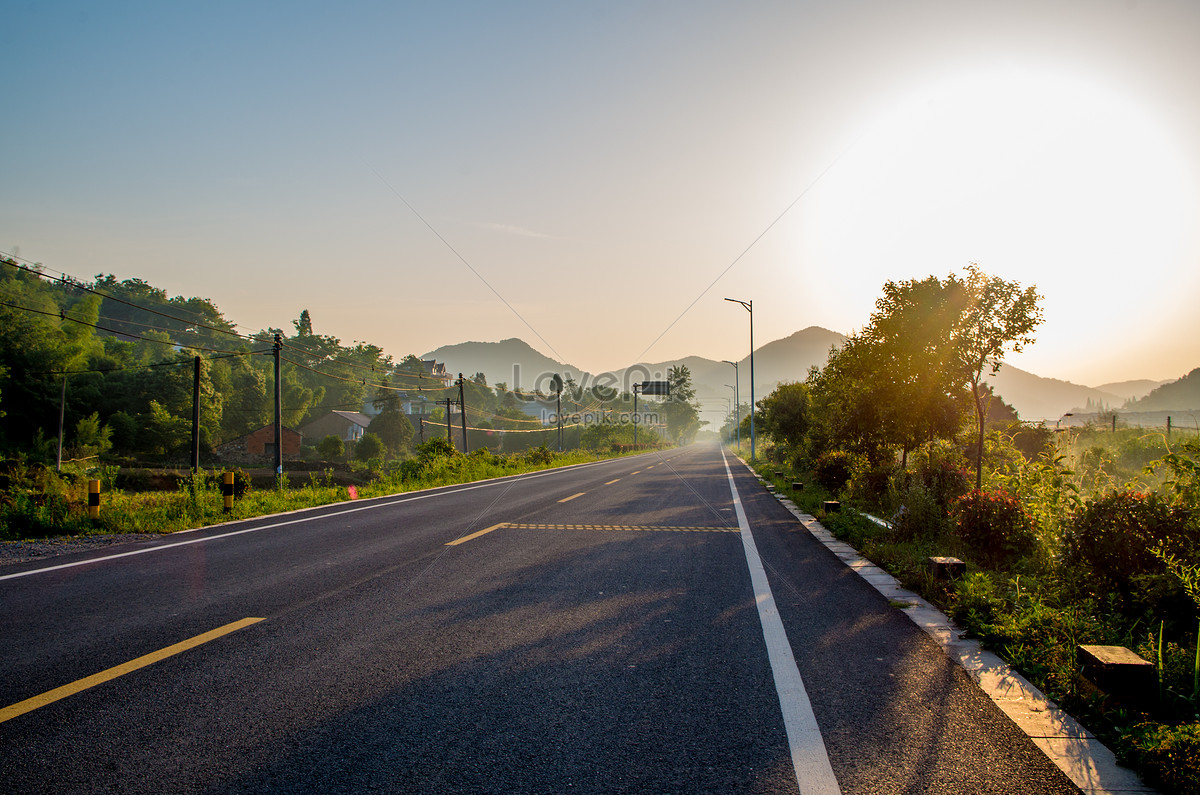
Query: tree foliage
[{"x": 915, "y": 372}]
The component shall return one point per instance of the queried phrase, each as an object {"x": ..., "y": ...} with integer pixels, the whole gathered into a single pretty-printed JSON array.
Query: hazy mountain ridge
[
  {"x": 789, "y": 359},
  {"x": 1183, "y": 394}
]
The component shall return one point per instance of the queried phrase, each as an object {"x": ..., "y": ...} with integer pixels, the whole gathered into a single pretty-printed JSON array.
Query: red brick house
[{"x": 258, "y": 447}]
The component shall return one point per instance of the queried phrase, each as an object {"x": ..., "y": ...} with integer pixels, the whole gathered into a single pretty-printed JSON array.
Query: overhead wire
[
  {"x": 70, "y": 281},
  {"x": 62, "y": 315}
]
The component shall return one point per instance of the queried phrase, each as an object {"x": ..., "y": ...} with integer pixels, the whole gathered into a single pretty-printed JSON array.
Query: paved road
[{"x": 603, "y": 635}]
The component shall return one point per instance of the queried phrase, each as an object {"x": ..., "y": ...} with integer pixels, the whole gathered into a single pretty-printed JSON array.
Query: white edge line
[
  {"x": 391, "y": 500},
  {"x": 810, "y": 759}
]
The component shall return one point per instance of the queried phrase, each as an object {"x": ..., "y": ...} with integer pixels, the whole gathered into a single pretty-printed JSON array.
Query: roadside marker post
[
  {"x": 227, "y": 490},
  {"x": 94, "y": 499}
]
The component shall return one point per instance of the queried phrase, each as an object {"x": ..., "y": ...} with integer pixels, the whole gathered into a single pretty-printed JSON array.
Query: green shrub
[
  {"x": 331, "y": 448},
  {"x": 539, "y": 455},
  {"x": 833, "y": 470},
  {"x": 1107, "y": 548},
  {"x": 368, "y": 447},
  {"x": 994, "y": 526},
  {"x": 978, "y": 599},
  {"x": 436, "y": 447},
  {"x": 1168, "y": 757}
]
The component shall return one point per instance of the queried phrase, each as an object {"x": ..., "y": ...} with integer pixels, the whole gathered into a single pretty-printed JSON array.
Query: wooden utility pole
[
  {"x": 462, "y": 410},
  {"x": 196, "y": 418},
  {"x": 278, "y": 414},
  {"x": 62, "y": 413}
]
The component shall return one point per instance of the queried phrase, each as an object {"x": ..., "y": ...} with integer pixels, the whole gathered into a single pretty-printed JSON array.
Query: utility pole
[
  {"x": 462, "y": 411},
  {"x": 635, "y": 414},
  {"x": 449, "y": 437},
  {"x": 196, "y": 418},
  {"x": 278, "y": 414},
  {"x": 62, "y": 413}
]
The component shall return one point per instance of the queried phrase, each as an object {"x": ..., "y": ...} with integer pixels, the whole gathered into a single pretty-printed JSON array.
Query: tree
[
  {"x": 91, "y": 438},
  {"x": 993, "y": 316},
  {"x": 331, "y": 448},
  {"x": 393, "y": 429},
  {"x": 681, "y": 408},
  {"x": 160, "y": 431},
  {"x": 303, "y": 324},
  {"x": 368, "y": 447},
  {"x": 785, "y": 414}
]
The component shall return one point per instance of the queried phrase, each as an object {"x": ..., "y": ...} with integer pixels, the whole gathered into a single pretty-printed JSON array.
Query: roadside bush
[
  {"x": 539, "y": 455},
  {"x": 978, "y": 599},
  {"x": 435, "y": 447},
  {"x": 994, "y": 526},
  {"x": 368, "y": 447},
  {"x": 832, "y": 470},
  {"x": 331, "y": 448},
  {"x": 1107, "y": 548},
  {"x": 869, "y": 483},
  {"x": 1167, "y": 756}
]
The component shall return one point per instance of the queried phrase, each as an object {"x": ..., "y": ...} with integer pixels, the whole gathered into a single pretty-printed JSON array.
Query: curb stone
[{"x": 1076, "y": 751}]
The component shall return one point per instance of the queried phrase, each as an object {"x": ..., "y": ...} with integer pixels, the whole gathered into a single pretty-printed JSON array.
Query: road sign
[{"x": 656, "y": 387}]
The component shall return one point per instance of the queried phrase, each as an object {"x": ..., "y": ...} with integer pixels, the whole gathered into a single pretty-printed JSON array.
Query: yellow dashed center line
[
  {"x": 49, "y": 697},
  {"x": 625, "y": 527},
  {"x": 476, "y": 534},
  {"x": 573, "y": 496},
  {"x": 614, "y": 480},
  {"x": 635, "y": 472}
]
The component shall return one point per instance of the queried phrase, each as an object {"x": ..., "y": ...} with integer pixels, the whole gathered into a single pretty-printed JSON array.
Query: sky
[{"x": 595, "y": 178}]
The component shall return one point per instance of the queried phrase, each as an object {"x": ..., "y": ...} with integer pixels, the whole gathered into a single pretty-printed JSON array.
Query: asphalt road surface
[{"x": 596, "y": 629}]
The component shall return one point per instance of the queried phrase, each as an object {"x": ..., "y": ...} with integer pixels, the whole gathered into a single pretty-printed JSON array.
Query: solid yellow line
[
  {"x": 614, "y": 480},
  {"x": 573, "y": 496},
  {"x": 30, "y": 704},
  {"x": 476, "y": 534}
]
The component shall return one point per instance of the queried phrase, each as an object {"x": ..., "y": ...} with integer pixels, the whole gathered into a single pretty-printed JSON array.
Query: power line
[
  {"x": 176, "y": 363},
  {"x": 73, "y": 282},
  {"x": 62, "y": 315}
]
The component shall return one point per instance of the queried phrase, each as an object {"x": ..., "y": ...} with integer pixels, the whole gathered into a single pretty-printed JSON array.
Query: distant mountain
[
  {"x": 789, "y": 359},
  {"x": 512, "y": 362},
  {"x": 1036, "y": 398},
  {"x": 1132, "y": 390},
  {"x": 1181, "y": 395}
]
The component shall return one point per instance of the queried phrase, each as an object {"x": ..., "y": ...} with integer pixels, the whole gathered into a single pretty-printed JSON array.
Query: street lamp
[
  {"x": 1060, "y": 419},
  {"x": 736, "y": 421},
  {"x": 737, "y": 400},
  {"x": 750, "y": 308}
]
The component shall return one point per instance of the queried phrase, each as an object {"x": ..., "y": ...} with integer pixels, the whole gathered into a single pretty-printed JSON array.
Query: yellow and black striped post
[
  {"x": 227, "y": 491},
  {"x": 94, "y": 499}
]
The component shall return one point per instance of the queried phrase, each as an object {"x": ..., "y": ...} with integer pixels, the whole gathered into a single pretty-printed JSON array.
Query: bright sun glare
[{"x": 1039, "y": 176}]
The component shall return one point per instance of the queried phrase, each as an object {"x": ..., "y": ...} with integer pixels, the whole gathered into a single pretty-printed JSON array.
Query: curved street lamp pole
[
  {"x": 737, "y": 400},
  {"x": 737, "y": 417},
  {"x": 749, "y": 305}
]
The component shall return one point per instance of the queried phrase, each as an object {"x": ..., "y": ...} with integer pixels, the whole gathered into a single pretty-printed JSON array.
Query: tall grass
[{"x": 37, "y": 503}]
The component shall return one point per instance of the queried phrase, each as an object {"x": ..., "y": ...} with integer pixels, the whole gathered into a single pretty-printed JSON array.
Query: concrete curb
[{"x": 1085, "y": 760}]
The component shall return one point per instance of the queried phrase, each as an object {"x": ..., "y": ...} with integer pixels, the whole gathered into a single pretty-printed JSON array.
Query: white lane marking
[
  {"x": 814, "y": 774},
  {"x": 369, "y": 507}
]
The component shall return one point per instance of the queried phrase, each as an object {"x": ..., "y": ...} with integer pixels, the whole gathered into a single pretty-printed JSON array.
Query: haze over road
[{"x": 602, "y": 635}]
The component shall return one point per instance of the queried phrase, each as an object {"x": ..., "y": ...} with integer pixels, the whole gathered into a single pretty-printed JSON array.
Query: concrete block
[
  {"x": 831, "y": 506},
  {"x": 945, "y": 568},
  {"x": 1119, "y": 672}
]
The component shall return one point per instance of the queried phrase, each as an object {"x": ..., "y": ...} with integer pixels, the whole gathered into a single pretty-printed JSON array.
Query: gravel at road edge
[{"x": 23, "y": 551}]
